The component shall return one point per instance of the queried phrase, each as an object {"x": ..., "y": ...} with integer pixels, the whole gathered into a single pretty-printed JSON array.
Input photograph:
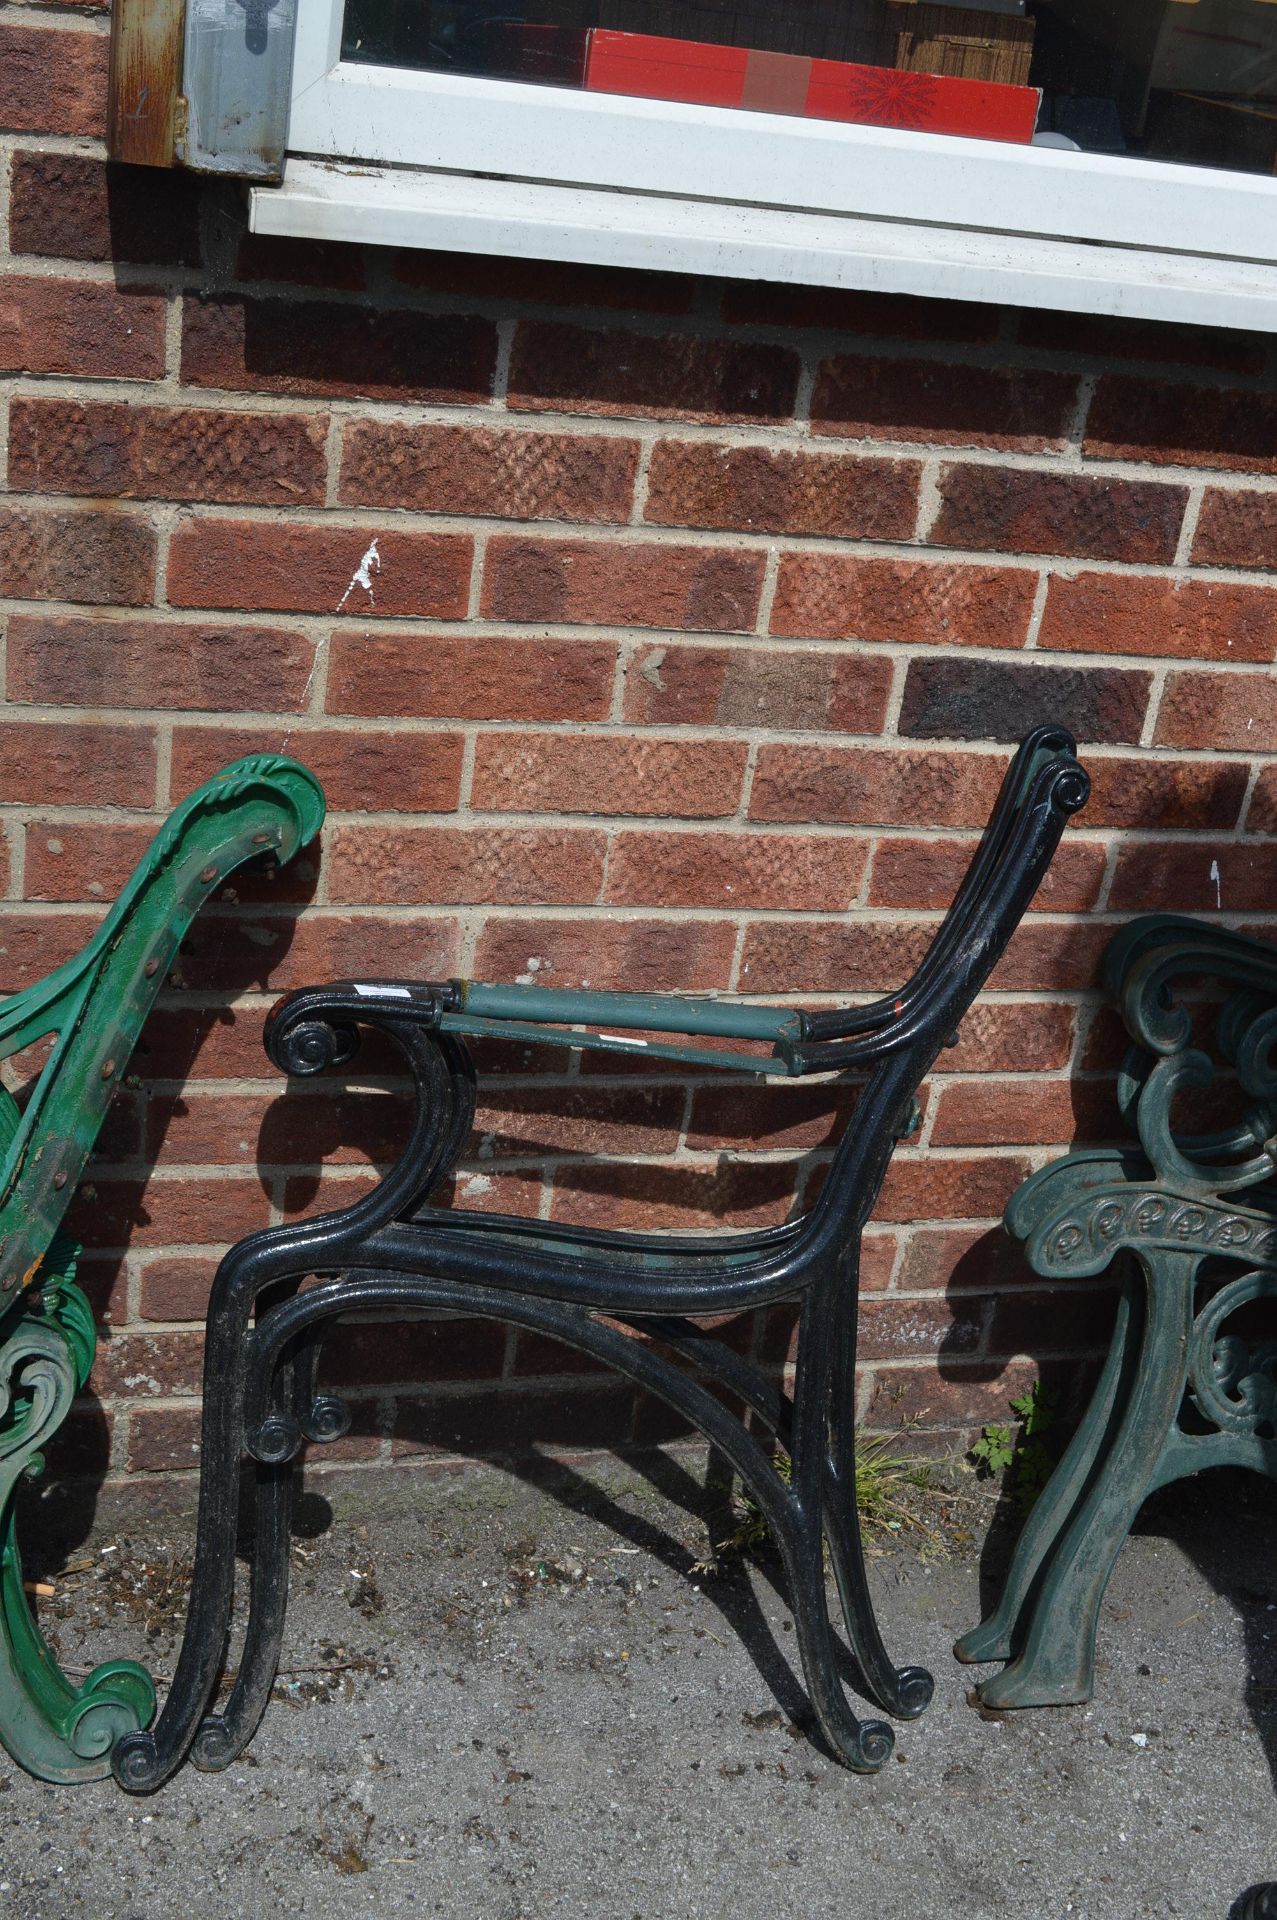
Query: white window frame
[{"x": 433, "y": 159}]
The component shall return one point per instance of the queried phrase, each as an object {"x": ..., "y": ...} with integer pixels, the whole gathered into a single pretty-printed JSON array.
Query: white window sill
[{"x": 466, "y": 213}]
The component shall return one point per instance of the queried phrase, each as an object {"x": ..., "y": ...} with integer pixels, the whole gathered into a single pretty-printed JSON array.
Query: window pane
[{"x": 1185, "y": 80}]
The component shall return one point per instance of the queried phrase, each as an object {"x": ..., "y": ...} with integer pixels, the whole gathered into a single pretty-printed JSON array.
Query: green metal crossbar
[{"x": 515, "y": 1013}]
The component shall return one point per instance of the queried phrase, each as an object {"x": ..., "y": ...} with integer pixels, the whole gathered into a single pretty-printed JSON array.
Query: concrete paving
[{"x": 512, "y": 1699}]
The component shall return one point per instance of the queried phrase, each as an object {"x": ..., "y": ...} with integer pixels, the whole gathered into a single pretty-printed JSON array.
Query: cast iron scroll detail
[
  {"x": 1179, "y": 1390},
  {"x": 582, "y": 1286}
]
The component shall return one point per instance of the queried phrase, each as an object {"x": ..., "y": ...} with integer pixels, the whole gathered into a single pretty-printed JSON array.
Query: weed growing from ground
[{"x": 1028, "y": 1457}]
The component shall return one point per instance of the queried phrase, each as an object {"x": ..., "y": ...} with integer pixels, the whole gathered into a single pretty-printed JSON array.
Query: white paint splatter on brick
[{"x": 362, "y": 576}]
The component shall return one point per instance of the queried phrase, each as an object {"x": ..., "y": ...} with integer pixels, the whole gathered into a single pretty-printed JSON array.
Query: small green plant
[
  {"x": 1027, "y": 1458},
  {"x": 879, "y": 1473}
]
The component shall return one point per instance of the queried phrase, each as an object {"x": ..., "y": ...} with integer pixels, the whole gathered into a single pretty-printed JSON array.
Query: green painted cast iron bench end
[{"x": 94, "y": 1007}]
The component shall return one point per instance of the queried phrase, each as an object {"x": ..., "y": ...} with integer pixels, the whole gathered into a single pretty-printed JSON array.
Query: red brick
[
  {"x": 765, "y": 686},
  {"x": 664, "y": 375},
  {"x": 1152, "y": 790},
  {"x": 481, "y": 470},
  {"x": 155, "y": 1212},
  {"x": 59, "y": 661},
  {"x": 1011, "y": 1037},
  {"x": 833, "y": 956},
  {"x": 1236, "y": 528},
  {"x": 874, "y": 786},
  {"x": 551, "y": 283},
  {"x": 738, "y": 870},
  {"x": 311, "y": 569},
  {"x": 163, "y": 1440},
  {"x": 640, "y": 956},
  {"x": 580, "y": 1119},
  {"x": 907, "y": 1329},
  {"x": 1003, "y": 699},
  {"x": 772, "y": 1117},
  {"x": 1029, "y": 1110},
  {"x": 201, "y": 1128},
  {"x": 494, "y": 1189},
  {"x": 83, "y": 1446},
  {"x": 52, "y": 82},
  {"x": 583, "y": 773},
  {"x": 927, "y": 874},
  {"x": 414, "y": 1352},
  {"x": 536, "y": 1354},
  {"x": 138, "y": 1365},
  {"x": 80, "y": 326},
  {"x": 307, "y": 1195},
  {"x": 69, "y": 206},
  {"x": 734, "y": 1193},
  {"x": 331, "y": 349},
  {"x": 1186, "y": 426},
  {"x": 702, "y": 483},
  {"x": 359, "y": 772},
  {"x": 1107, "y": 1042},
  {"x": 520, "y": 866},
  {"x": 31, "y": 947},
  {"x": 622, "y": 584},
  {"x": 429, "y": 676},
  {"x": 80, "y": 860},
  {"x": 278, "y": 952},
  {"x": 920, "y": 1396},
  {"x": 1059, "y": 1320},
  {"x": 176, "y": 1288},
  {"x": 830, "y": 596},
  {"x": 962, "y": 1258},
  {"x": 509, "y": 1424},
  {"x": 106, "y": 1284},
  {"x": 61, "y": 763},
  {"x": 892, "y": 316},
  {"x": 1193, "y": 619},
  {"x": 167, "y": 453},
  {"x": 301, "y": 263},
  {"x": 1236, "y": 711},
  {"x": 878, "y": 956},
  {"x": 1090, "y": 515},
  {"x": 181, "y": 1042},
  {"x": 1046, "y": 956},
  {"x": 940, "y": 405},
  {"x": 101, "y": 557},
  {"x": 1262, "y": 814},
  {"x": 1225, "y": 349},
  {"x": 926, "y": 1185},
  {"x": 1201, "y": 876}
]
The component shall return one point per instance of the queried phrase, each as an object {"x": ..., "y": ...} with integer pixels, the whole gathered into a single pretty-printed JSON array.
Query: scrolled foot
[
  {"x": 915, "y": 1687},
  {"x": 327, "y": 1419},
  {"x": 136, "y": 1764},
  {"x": 214, "y": 1749},
  {"x": 276, "y": 1440},
  {"x": 116, "y": 1699},
  {"x": 874, "y": 1744}
]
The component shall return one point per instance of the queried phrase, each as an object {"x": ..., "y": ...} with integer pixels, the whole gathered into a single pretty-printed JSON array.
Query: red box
[{"x": 652, "y": 68}]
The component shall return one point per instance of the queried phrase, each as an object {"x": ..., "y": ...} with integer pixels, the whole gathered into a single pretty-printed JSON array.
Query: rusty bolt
[
  {"x": 209, "y": 873},
  {"x": 261, "y": 839},
  {"x": 108, "y": 1068},
  {"x": 59, "y": 1181},
  {"x": 151, "y": 968}
]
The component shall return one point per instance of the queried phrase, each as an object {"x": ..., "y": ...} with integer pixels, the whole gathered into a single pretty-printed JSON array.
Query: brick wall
[{"x": 644, "y": 633}]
